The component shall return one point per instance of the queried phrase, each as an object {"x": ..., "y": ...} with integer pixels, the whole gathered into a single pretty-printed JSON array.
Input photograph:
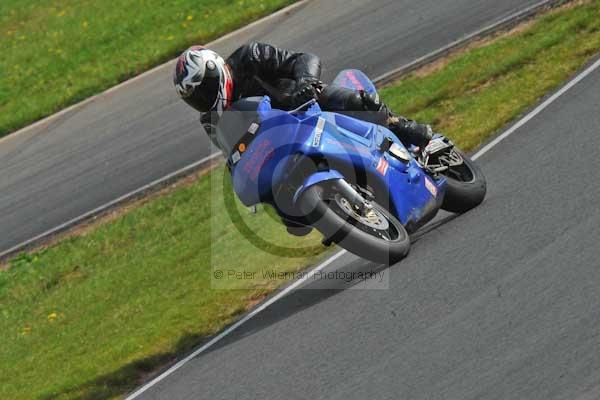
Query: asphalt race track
[
  {"x": 140, "y": 132},
  {"x": 500, "y": 303}
]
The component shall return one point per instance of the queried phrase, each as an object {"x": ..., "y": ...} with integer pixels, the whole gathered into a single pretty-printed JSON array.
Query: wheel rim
[
  {"x": 375, "y": 222},
  {"x": 460, "y": 172},
  {"x": 373, "y": 218}
]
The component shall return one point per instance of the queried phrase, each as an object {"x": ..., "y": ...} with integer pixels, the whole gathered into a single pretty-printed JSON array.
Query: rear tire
[
  {"x": 466, "y": 186},
  {"x": 386, "y": 246}
]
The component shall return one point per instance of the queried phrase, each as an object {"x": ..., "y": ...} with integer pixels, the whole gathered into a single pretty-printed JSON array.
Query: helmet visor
[{"x": 205, "y": 95}]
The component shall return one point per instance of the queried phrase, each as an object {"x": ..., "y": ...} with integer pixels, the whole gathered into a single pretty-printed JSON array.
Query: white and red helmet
[{"x": 203, "y": 80}]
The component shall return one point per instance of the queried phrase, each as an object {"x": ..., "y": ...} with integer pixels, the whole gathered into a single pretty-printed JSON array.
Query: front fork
[{"x": 354, "y": 197}]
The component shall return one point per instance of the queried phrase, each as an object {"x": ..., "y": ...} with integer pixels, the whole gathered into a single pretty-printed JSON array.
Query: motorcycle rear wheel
[
  {"x": 379, "y": 237},
  {"x": 466, "y": 186}
]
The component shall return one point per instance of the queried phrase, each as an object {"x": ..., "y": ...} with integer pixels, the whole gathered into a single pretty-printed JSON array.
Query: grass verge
[
  {"x": 57, "y": 53},
  {"x": 477, "y": 92},
  {"x": 90, "y": 316}
]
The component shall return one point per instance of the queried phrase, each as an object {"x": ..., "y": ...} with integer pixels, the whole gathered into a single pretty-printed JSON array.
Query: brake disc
[{"x": 372, "y": 218}]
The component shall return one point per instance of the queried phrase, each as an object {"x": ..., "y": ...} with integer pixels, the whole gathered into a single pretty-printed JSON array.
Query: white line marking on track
[
  {"x": 491, "y": 28},
  {"x": 227, "y": 36},
  {"x": 110, "y": 204},
  {"x": 327, "y": 262},
  {"x": 537, "y": 110},
  {"x": 236, "y": 325},
  {"x": 243, "y": 29}
]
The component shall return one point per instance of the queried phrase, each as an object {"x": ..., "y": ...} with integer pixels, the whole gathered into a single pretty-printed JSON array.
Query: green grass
[
  {"x": 90, "y": 316},
  {"x": 481, "y": 90},
  {"x": 55, "y": 53}
]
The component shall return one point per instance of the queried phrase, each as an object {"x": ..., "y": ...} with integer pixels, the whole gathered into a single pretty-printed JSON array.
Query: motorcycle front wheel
[{"x": 376, "y": 235}]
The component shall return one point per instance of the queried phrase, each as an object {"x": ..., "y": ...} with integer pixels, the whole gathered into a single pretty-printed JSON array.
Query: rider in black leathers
[{"x": 208, "y": 83}]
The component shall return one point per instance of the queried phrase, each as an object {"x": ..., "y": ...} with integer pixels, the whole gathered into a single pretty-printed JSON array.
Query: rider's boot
[
  {"x": 368, "y": 106},
  {"x": 410, "y": 132}
]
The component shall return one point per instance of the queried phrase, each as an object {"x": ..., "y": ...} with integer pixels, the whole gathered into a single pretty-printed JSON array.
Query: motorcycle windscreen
[{"x": 355, "y": 80}]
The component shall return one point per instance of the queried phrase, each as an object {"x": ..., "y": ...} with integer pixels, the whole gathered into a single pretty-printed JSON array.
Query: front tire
[
  {"x": 466, "y": 186},
  {"x": 382, "y": 238}
]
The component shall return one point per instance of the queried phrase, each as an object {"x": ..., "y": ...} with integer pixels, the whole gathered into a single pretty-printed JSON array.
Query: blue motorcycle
[{"x": 352, "y": 180}]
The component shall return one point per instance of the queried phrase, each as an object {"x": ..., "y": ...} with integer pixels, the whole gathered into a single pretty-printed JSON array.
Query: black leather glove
[{"x": 306, "y": 90}]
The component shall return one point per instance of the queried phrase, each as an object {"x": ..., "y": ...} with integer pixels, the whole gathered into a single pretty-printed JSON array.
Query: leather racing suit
[{"x": 255, "y": 66}]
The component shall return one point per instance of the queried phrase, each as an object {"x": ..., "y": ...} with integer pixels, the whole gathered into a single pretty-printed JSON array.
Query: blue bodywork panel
[{"x": 350, "y": 146}]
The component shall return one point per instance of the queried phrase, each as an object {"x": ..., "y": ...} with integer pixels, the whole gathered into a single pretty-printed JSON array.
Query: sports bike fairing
[{"x": 350, "y": 146}]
